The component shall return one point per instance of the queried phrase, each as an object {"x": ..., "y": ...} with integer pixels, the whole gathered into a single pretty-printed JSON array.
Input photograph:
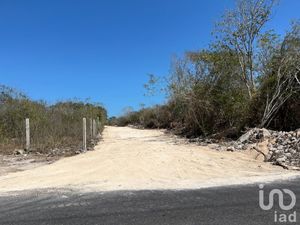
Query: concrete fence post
[
  {"x": 99, "y": 125},
  {"x": 94, "y": 128},
  {"x": 84, "y": 134},
  {"x": 27, "y": 127},
  {"x": 91, "y": 128}
]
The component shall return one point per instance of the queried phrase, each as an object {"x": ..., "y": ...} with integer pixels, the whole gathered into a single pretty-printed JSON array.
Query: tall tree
[{"x": 240, "y": 29}]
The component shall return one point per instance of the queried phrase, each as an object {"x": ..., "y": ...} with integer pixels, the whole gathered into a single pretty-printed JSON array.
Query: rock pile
[
  {"x": 254, "y": 135},
  {"x": 284, "y": 147}
]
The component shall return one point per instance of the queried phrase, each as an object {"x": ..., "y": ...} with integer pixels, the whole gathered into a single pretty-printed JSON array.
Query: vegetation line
[
  {"x": 52, "y": 127},
  {"x": 248, "y": 77}
]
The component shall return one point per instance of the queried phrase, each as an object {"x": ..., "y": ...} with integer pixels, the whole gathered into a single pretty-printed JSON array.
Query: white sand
[{"x": 131, "y": 159}]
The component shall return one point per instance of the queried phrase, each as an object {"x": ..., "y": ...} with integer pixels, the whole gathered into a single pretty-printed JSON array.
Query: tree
[
  {"x": 206, "y": 92},
  {"x": 286, "y": 75},
  {"x": 240, "y": 29}
]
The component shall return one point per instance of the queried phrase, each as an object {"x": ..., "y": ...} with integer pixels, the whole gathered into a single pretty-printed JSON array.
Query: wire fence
[
  {"x": 52, "y": 128},
  {"x": 75, "y": 135},
  {"x": 54, "y": 136}
]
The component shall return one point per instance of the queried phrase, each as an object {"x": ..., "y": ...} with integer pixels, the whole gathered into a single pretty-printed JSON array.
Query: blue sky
[{"x": 104, "y": 49}]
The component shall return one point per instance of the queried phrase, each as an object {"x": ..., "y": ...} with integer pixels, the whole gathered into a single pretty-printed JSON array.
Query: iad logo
[{"x": 283, "y": 217}]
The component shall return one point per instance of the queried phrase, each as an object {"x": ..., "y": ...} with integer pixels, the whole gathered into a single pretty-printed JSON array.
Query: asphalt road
[{"x": 235, "y": 205}]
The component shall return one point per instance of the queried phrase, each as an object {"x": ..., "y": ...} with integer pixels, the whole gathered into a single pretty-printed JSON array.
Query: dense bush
[
  {"x": 247, "y": 77},
  {"x": 51, "y": 126}
]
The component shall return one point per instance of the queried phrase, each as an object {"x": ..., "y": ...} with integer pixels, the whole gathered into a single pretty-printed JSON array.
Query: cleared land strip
[{"x": 131, "y": 159}]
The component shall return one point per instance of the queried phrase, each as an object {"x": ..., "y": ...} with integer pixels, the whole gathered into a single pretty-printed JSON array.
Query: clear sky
[{"x": 104, "y": 49}]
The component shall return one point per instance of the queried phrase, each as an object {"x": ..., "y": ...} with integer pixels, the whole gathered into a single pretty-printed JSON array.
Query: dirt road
[{"x": 133, "y": 159}]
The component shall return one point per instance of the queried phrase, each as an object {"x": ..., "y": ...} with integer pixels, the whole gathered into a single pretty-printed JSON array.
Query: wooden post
[
  {"x": 84, "y": 134},
  {"x": 91, "y": 128},
  {"x": 27, "y": 127},
  {"x": 94, "y": 128}
]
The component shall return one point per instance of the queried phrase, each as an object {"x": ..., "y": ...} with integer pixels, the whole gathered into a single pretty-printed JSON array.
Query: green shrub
[{"x": 51, "y": 126}]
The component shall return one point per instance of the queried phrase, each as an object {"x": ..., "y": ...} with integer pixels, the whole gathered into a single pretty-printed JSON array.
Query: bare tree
[
  {"x": 240, "y": 29},
  {"x": 287, "y": 75}
]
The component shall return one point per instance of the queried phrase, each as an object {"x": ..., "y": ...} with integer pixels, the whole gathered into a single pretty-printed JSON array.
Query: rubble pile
[{"x": 284, "y": 147}]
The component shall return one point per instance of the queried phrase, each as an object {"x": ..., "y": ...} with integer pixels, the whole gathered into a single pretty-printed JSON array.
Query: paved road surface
[{"x": 235, "y": 205}]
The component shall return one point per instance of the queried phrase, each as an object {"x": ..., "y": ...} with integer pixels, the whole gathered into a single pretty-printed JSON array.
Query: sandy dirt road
[{"x": 131, "y": 159}]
